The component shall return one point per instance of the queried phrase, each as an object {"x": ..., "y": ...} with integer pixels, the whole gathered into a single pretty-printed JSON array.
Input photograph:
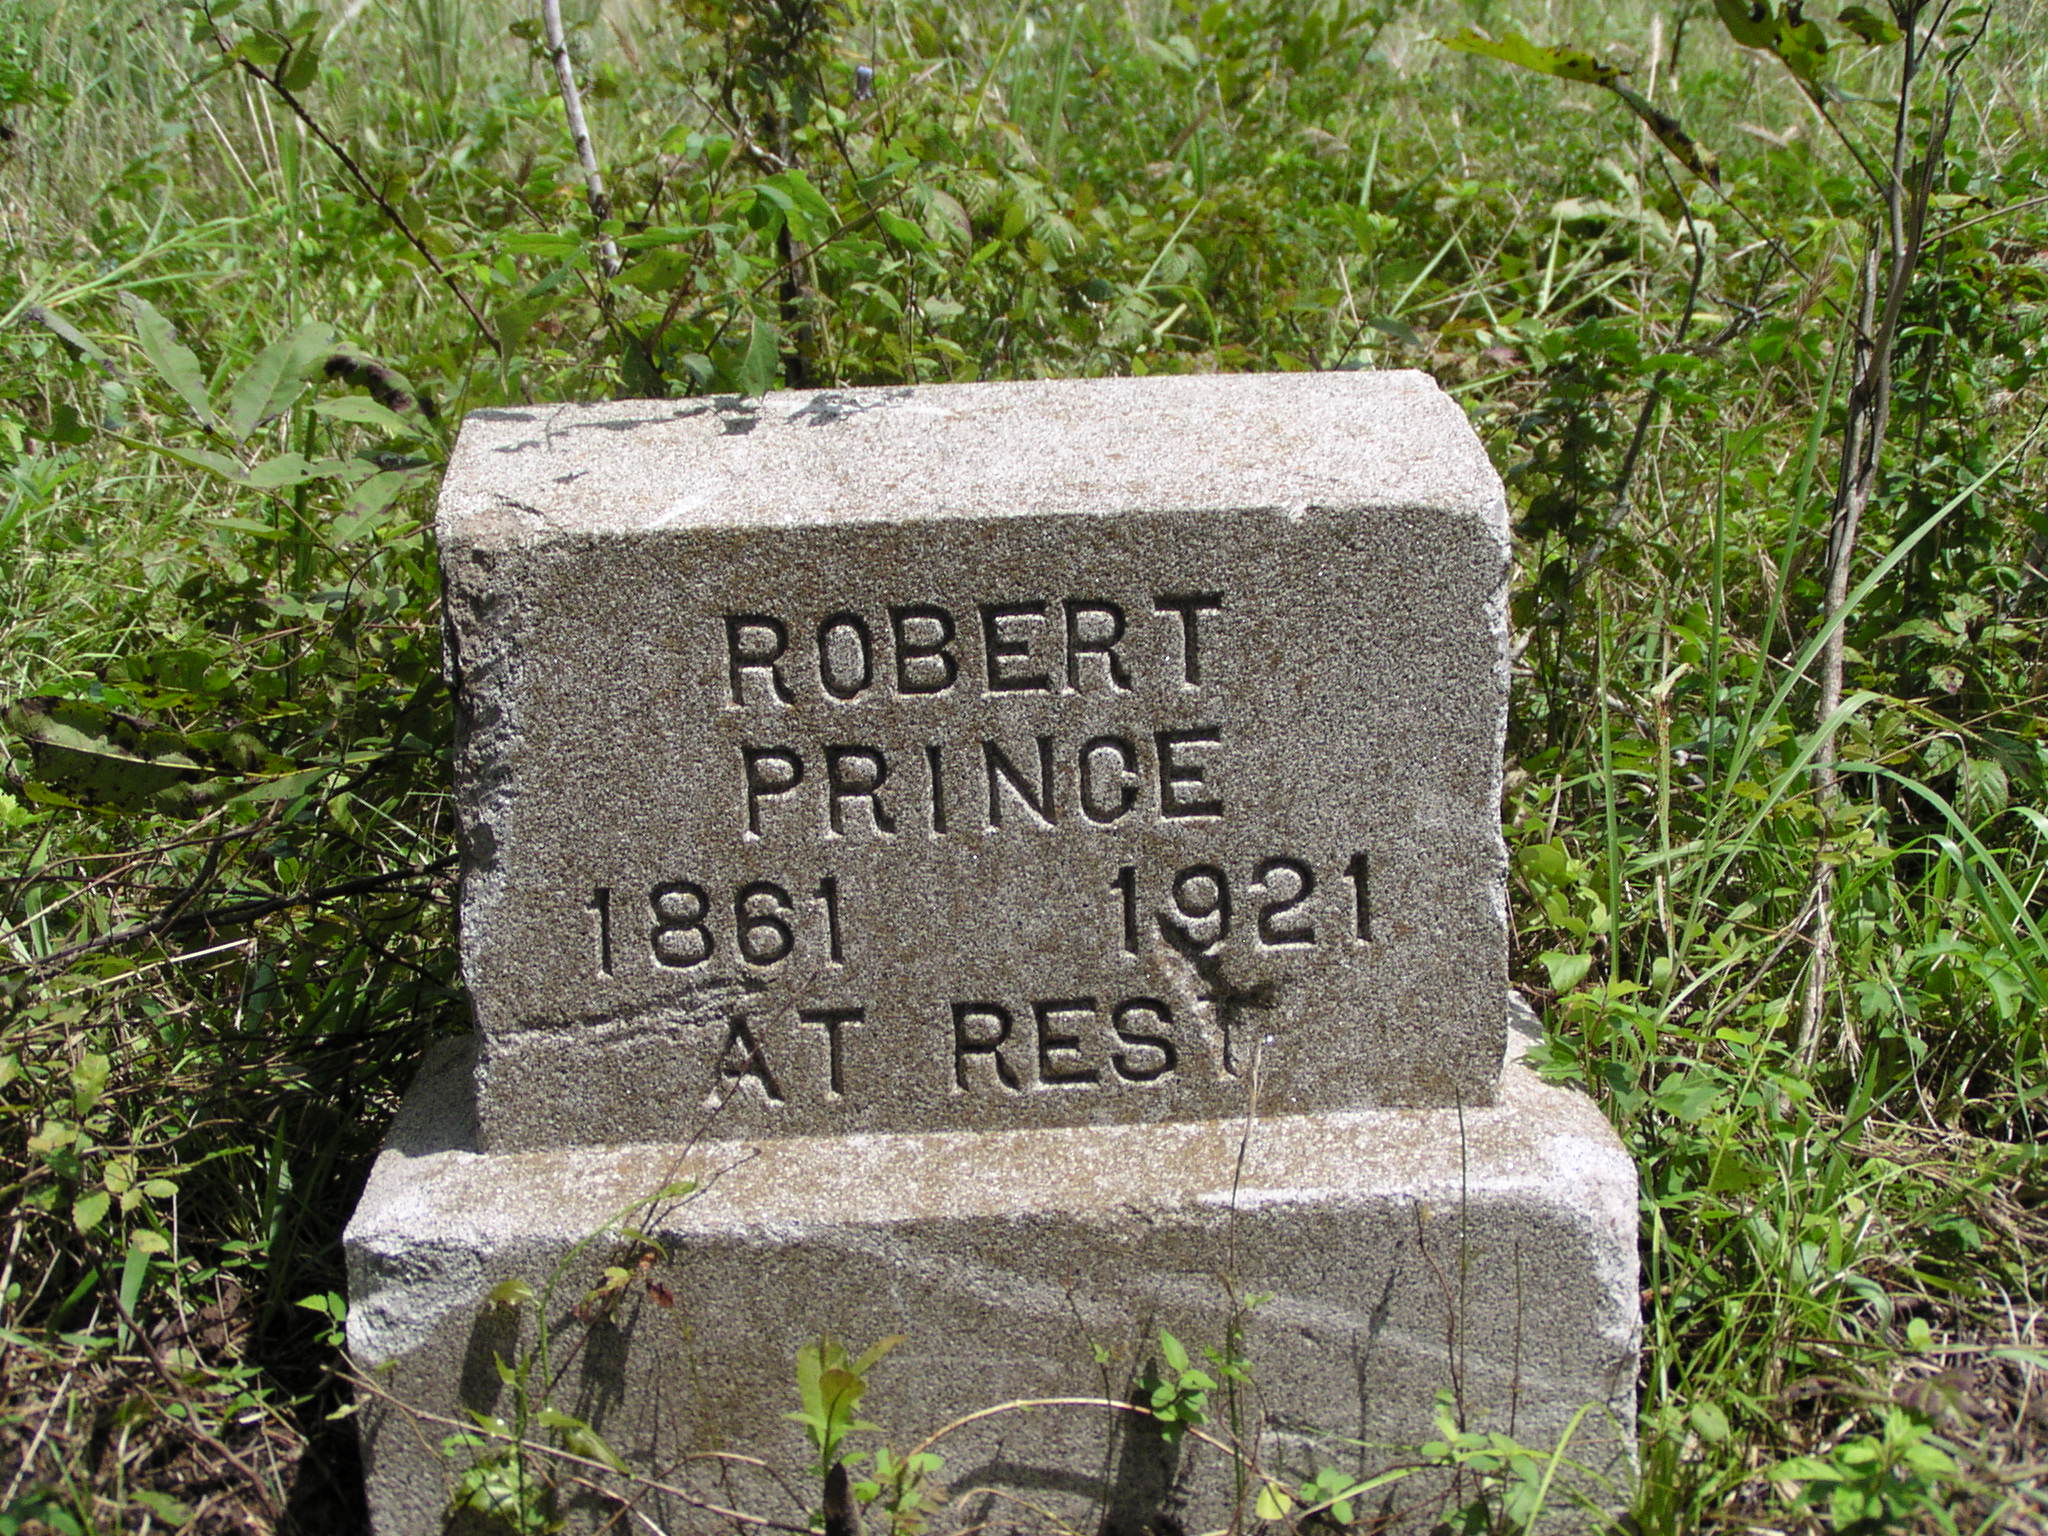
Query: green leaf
[
  {"x": 90, "y": 1210},
  {"x": 1752, "y": 23},
  {"x": 193, "y": 458},
  {"x": 273, "y": 380},
  {"x": 173, "y": 361},
  {"x": 511, "y": 1293},
  {"x": 1984, "y": 790},
  {"x": 367, "y": 504},
  {"x": 284, "y": 470},
  {"x": 1731, "y": 1173},
  {"x": 579, "y": 1438},
  {"x": 1709, "y": 1422},
  {"x": 89, "y": 1081},
  {"x": 67, "y": 428},
  {"x": 793, "y": 192},
  {"x": 902, "y": 230},
  {"x": 1686, "y": 1095},
  {"x": 1273, "y": 1503},
  {"x": 73, "y": 338},
  {"x": 37, "y": 1506},
  {"x": 248, "y": 525},
  {"x": 809, "y": 1367},
  {"x": 875, "y": 1353},
  {"x": 134, "y": 1271},
  {"x": 102, "y": 757},
  {"x": 763, "y": 359},
  {"x": 1174, "y": 1351},
  {"x": 1565, "y": 971},
  {"x": 303, "y": 67},
  {"x": 262, "y": 48},
  {"x": 543, "y": 243},
  {"x": 1512, "y": 48},
  {"x": 162, "y": 1506},
  {"x": 365, "y": 412},
  {"x": 1874, "y": 29},
  {"x": 1397, "y": 329},
  {"x": 841, "y": 1390},
  {"x": 1802, "y": 46},
  {"x": 1703, "y": 163}
]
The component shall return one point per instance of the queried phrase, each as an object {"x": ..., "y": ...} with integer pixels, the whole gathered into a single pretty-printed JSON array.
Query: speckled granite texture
[
  {"x": 1405, "y": 1251},
  {"x": 984, "y": 756}
]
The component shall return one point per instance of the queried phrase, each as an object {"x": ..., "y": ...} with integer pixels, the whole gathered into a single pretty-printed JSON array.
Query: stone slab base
[{"x": 1489, "y": 1254}]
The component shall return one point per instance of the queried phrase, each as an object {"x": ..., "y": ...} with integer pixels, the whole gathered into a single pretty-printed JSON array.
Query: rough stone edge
[
  {"x": 431, "y": 1194},
  {"x": 475, "y": 510},
  {"x": 1559, "y": 1150}
]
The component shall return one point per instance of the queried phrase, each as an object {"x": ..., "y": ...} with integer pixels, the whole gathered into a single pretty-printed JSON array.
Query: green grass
[{"x": 225, "y": 927}]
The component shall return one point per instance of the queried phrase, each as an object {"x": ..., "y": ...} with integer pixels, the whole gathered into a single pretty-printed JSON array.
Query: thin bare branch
[{"x": 579, "y": 133}]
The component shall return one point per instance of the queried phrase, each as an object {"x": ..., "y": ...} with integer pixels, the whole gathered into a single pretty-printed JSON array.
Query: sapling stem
[{"x": 579, "y": 133}]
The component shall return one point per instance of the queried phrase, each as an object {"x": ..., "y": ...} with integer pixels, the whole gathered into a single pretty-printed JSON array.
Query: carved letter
[
  {"x": 999, "y": 767},
  {"x": 1176, "y": 775},
  {"x": 1102, "y": 643},
  {"x": 1053, "y": 1074},
  {"x": 923, "y": 665},
  {"x": 768, "y": 771},
  {"x": 969, "y": 1040},
  {"x": 1120, "y": 1021},
  {"x": 832, "y": 1020},
  {"x": 749, "y": 1063},
  {"x": 846, "y": 656},
  {"x": 856, "y": 773},
  {"x": 999, "y": 647},
  {"x": 754, "y": 642},
  {"x": 1187, "y": 605},
  {"x": 1097, "y": 808}
]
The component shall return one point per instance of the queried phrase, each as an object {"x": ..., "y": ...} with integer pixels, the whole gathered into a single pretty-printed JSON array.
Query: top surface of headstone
[{"x": 978, "y": 755}]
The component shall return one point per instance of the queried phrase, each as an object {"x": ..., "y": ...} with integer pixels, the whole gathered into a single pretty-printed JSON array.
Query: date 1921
[{"x": 1199, "y": 910}]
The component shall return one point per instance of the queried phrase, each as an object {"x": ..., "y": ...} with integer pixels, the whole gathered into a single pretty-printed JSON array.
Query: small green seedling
[
  {"x": 1179, "y": 1395},
  {"x": 831, "y": 1387}
]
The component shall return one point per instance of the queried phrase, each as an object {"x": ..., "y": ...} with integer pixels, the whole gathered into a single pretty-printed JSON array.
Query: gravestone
[{"x": 1028, "y": 857}]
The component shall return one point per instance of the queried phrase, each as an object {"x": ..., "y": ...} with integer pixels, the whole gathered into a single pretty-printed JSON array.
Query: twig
[
  {"x": 212, "y": 1441},
  {"x": 43, "y": 1422},
  {"x": 362, "y": 1383},
  {"x": 1654, "y": 398},
  {"x": 364, "y": 185},
  {"x": 1985, "y": 218},
  {"x": 1896, "y": 254},
  {"x": 175, "y": 917},
  {"x": 579, "y": 132}
]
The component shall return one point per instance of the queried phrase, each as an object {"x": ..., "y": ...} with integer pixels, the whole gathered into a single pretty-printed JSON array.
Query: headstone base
[{"x": 1377, "y": 1259}]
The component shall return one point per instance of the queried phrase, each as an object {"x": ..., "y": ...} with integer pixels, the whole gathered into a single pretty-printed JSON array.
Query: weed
[{"x": 831, "y": 1384}]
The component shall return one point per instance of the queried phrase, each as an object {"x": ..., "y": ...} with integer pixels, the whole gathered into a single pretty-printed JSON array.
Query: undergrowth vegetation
[{"x": 1778, "y": 840}]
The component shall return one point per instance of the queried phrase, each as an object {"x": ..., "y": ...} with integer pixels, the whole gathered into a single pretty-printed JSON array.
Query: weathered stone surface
[
  {"x": 875, "y": 761},
  {"x": 1489, "y": 1252}
]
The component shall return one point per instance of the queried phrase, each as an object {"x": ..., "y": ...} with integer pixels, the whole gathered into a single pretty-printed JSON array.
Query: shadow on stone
[
  {"x": 493, "y": 1337},
  {"x": 1144, "y": 1490}
]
